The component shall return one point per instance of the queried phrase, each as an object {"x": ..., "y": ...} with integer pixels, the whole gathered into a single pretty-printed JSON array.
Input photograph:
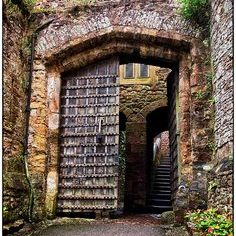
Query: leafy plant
[
  {"x": 200, "y": 95},
  {"x": 211, "y": 101},
  {"x": 195, "y": 10},
  {"x": 5, "y": 210},
  {"x": 209, "y": 222},
  {"x": 30, "y": 3},
  {"x": 82, "y": 2},
  {"x": 211, "y": 145},
  {"x": 212, "y": 185}
]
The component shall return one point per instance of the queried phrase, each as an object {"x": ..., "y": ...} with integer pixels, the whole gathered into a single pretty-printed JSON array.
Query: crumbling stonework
[
  {"x": 220, "y": 195},
  {"x": 221, "y": 189},
  {"x": 15, "y": 186}
]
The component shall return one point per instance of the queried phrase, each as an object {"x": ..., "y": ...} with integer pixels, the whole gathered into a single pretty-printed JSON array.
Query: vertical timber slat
[{"x": 89, "y": 138}]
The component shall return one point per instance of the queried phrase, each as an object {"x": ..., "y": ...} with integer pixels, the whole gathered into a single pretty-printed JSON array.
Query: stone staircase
[{"x": 159, "y": 199}]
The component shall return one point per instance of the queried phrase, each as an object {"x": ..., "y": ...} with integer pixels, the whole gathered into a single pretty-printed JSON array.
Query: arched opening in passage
[
  {"x": 89, "y": 145},
  {"x": 158, "y": 167},
  {"x": 142, "y": 126}
]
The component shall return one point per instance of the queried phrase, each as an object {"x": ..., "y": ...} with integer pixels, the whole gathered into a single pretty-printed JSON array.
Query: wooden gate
[
  {"x": 172, "y": 84},
  {"x": 89, "y": 137}
]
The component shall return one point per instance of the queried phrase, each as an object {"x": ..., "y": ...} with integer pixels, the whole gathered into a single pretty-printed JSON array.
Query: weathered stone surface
[
  {"x": 15, "y": 187},
  {"x": 220, "y": 191},
  {"x": 139, "y": 15},
  {"x": 222, "y": 57},
  {"x": 168, "y": 217},
  {"x": 220, "y": 195},
  {"x": 142, "y": 99}
]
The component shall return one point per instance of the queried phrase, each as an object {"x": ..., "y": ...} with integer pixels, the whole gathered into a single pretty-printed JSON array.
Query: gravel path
[{"x": 141, "y": 226}]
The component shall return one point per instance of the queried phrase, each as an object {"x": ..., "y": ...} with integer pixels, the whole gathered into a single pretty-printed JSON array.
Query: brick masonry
[{"x": 136, "y": 14}]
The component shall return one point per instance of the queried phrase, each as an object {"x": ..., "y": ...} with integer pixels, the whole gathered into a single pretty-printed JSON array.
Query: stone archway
[{"x": 64, "y": 45}]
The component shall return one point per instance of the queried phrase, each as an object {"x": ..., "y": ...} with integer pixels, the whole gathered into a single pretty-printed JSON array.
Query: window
[
  {"x": 144, "y": 70},
  {"x": 129, "y": 70}
]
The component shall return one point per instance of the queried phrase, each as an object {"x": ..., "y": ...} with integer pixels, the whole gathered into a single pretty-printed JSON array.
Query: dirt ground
[{"x": 132, "y": 225}]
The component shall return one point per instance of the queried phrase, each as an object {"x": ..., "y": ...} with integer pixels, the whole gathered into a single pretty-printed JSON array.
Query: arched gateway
[{"x": 75, "y": 106}]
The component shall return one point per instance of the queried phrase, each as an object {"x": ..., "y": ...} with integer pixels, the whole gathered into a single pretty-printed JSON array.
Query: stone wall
[
  {"x": 62, "y": 5},
  {"x": 164, "y": 145},
  {"x": 220, "y": 189},
  {"x": 137, "y": 100},
  {"x": 15, "y": 187},
  {"x": 222, "y": 58}
]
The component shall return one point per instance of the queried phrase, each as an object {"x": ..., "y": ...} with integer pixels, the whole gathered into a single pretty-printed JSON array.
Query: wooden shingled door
[{"x": 89, "y": 137}]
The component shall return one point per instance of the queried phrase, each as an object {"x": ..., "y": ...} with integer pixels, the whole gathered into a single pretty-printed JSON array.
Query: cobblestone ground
[{"x": 141, "y": 225}]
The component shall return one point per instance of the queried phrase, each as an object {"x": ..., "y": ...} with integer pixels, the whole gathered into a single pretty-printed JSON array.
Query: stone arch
[
  {"x": 153, "y": 106},
  {"x": 65, "y": 45},
  {"x": 130, "y": 115},
  {"x": 127, "y": 111}
]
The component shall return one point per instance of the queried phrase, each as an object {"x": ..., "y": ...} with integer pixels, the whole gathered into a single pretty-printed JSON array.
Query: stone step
[
  {"x": 166, "y": 169},
  {"x": 164, "y": 196},
  {"x": 159, "y": 202},
  {"x": 160, "y": 183},
  {"x": 165, "y": 179},
  {"x": 158, "y": 209},
  {"x": 160, "y": 191},
  {"x": 165, "y": 163},
  {"x": 162, "y": 166},
  {"x": 161, "y": 175}
]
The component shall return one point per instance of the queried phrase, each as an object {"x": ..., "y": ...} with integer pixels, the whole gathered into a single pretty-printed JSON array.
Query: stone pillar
[
  {"x": 201, "y": 112},
  {"x": 37, "y": 147},
  {"x": 53, "y": 90},
  {"x": 184, "y": 143},
  {"x": 135, "y": 191}
]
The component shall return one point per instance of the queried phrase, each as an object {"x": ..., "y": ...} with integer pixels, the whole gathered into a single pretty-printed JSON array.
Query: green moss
[
  {"x": 14, "y": 164},
  {"x": 43, "y": 10},
  {"x": 82, "y": 2}
]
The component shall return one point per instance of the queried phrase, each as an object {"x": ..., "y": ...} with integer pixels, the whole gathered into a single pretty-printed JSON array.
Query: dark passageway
[{"x": 158, "y": 167}]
